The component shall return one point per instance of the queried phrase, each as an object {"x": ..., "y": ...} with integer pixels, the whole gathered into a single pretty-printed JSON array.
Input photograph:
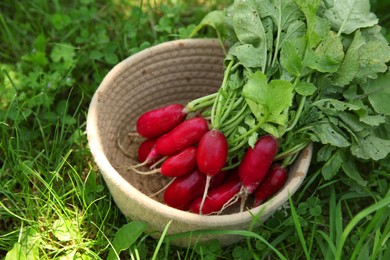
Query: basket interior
[{"x": 171, "y": 73}]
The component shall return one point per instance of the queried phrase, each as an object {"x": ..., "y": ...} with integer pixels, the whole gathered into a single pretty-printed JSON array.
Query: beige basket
[{"x": 176, "y": 71}]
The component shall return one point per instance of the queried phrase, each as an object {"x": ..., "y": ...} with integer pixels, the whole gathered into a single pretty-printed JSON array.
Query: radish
[
  {"x": 219, "y": 178},
  {"x": 144, "y": 149},
  {"x": 176, "y": 165},
  {"x": 255, "y": 164},
  {"x": 218, "y": 198},
  {"x": 211, "y": 156},
  {"x": 182, "y": 191},
  {"x": 157, "y": 122},
  {"x": 212, "y": 152},
  {"x": 186, "y": 134},
  {"x": 272, "y": 183}
]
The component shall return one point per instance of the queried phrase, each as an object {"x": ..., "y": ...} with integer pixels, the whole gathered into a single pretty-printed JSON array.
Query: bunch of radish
[{"x": 194, "y": 153}]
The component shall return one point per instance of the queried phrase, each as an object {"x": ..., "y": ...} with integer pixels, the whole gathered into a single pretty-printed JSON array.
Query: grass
[{"x": 53, "y": 201}]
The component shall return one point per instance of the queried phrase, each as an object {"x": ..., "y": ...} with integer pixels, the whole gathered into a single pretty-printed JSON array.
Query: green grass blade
[
  {"x": 381, "y": 241},
  {"x": 160, "y": 241},
  {"x": 376, "y": 221},
  {"x": 361, "y": 215},
  {"x": 244, "y": 233},
  {"x": 299, "y": 229},
  {"x": 330, "y": 245}
]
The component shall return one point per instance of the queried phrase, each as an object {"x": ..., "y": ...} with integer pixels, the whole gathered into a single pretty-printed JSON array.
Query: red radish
[
  {"x": 181, "y": 163},
  {"x": 219, "y": 179},
  {"x": 211, "y": 156},
  {"x": 212, "y": 152},
  {"x": 182, "y": 191},
  {"x": 177, "y": 165},
  {"x": 182, "y": 136},
  {"x": 157, "y": 122},
  {"x": 256, "y": 163},
  {"x": 216, "y": 181},
  {"x": 144, "y": 149},
  {"x": 218, "y": 198},
  {"x": 272, "y": 183}
]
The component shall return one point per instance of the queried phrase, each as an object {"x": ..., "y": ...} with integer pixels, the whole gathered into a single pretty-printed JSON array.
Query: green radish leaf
[
  {"x": 250, "y": 121},
  {"x": 369, "y": 146},
  {"x": 249, "y": 28},
  {"x": 235, "y": 80},
  {"x": 325, "y": 152},
  {"x": 272, "y": 129},
  {"x": 378, "y": 92},
  {"x": 214, "y": 19},
  {"x": 241, "y": 130},
  {"x": 253, "y": 139},
  {"x": 373, "y": 56},
  {"x": 125, "y": 237},
  {"x": 305, "y": 88},
  {"x": 248, "y": 55},
  {"x": 351, "y": 170},
  {"x": 264, "y": 95},
  {"x": 328, "y": 134},
  {"x": 350, "y": 65},
  {"x": 317, "y": 27},
  {"x": 291, "y": 55},
  {"x": 346, "y": 16},
  {"x": 336, "y": 105},
  {"x": 286, "y": 16},
  {"x": 332, "y": 166},
  {"x": 247, "y": 23},
  {"x": 352, "y": 121},
  {"x": 327, "y": 56},
  {"x": 258, "y": 110},
  {"x": 365, "y": 57},
  {"x": 372, "y": 120}
]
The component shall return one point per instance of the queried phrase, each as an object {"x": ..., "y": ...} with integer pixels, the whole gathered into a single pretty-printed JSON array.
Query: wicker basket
[{"x": 176, "y": 71}]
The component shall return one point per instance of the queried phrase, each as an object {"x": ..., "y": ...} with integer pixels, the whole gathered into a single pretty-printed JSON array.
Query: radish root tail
[
  {"x": 206, "y": 189},
  {"x": 162, "y": 189},
  {"x": 230, "y": 202},
  {"x": 145, "y": 173}
]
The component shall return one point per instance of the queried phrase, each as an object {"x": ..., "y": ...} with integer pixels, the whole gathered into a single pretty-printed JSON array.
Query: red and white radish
[
  {"x": 144, "y": 150},
  {"x": 157, "y": 122},
  {"x": 218, "y": 198},
  {"x": 211, "y": 156},
  {"x": 255, "y": 164},
  {"x": 176, "y": 165},
  {"x": 186, "y": 134},
  {"x": 184, "y": 189},
  {"x": 212, "y": 152},
  {"x": 272, "y": 183}
]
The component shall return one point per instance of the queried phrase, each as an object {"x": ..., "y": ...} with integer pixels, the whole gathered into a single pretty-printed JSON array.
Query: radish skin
[
  {"x": 256, "y": 162},
  {"x": 218, "y": 198},
  {"x": 212, "y": 152},
  {"x": 144, "y": 150},
  {"x": 184, "y": 189},
  {"x": 180, "y": 164},
  {"x": 255, "y": 165},
  {"x": 157, "y": 122},
  {"x": 187, "y": 133},
  {"x": 211, "y": 157},
  {"x": 272, "y": 183},
  {"x": 176, "y": 165}
]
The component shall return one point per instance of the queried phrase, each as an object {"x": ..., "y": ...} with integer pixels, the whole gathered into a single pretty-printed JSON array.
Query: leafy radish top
[{"x": 303, "y": 71}]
